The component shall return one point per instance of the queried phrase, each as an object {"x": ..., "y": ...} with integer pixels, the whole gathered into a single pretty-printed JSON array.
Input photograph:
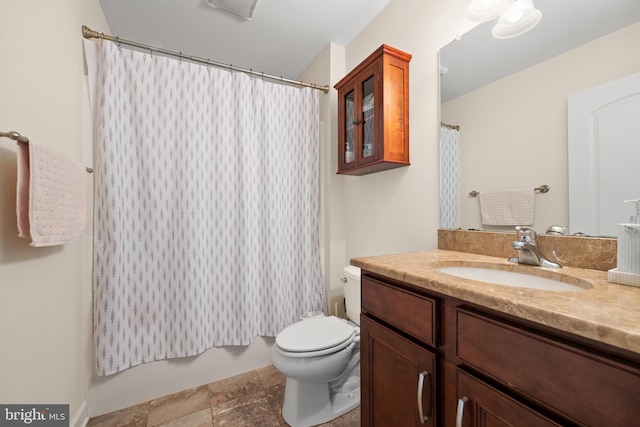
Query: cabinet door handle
[
  {"x": 356, "y": 122},
  {"x": 421, "y": 378},
  {"x": 460, "y": 412}
]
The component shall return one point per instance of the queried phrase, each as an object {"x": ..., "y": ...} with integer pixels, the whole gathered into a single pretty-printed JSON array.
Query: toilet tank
[{"x": 352, "y": 293}]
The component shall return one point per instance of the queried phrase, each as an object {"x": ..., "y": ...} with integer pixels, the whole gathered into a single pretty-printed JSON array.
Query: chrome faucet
[{"x": 528, "y": 250}]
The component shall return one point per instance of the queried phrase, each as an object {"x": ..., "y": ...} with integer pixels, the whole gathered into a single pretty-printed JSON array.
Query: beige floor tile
[
  {"x": 168, "y": 408},
  {"x": 233, "y": 388},
  {"x": 352, "y": 418},
  {"x": 197, "y": 419},
  {"x": 270, "y": 376},
  {"x": 246, "y": 400},
  {"x": 275, "y": 396},
  {"x": 134, "y": 416},
  {"x": 248, "y": 411},
  {"x": 338, "y": 422}
]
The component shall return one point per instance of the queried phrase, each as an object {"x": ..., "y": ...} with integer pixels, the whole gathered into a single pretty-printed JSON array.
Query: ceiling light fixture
[
  {"x": 486, "y": 10},
  {"x": 517, "y": 20},
  {"x": 242, "y": 8}
]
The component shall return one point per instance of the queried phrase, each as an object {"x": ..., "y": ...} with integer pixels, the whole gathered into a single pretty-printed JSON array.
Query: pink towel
[
  {"x": 22, "y": 190},
  {"x": 507, "y": 207},
  {"x": 51, "y": 196}
]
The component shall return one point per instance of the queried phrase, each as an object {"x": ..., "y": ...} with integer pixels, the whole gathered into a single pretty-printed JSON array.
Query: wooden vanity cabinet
[
  {"x": 481, "y": 405},
  {"x": 399, "y": 378},
  {"x": 578, "y": 384},
  {"x": 373, "y": 114},
  {"x": 485, "y": 368},
  {"x": 400, "y": 381}
]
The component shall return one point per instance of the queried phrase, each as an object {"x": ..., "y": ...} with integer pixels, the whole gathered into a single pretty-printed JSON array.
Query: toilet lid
[{"x": 314, "y": 334}]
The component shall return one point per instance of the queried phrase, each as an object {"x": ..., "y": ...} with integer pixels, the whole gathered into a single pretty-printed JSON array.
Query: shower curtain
[
  {"x": 206, "y": 219},
  {"x": 448, "y": 177}
]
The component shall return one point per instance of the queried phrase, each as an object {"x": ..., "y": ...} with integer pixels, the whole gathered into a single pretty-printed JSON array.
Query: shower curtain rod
[
  {"x": 449, "y": 126},
  {"x": 88, "y": 33}
]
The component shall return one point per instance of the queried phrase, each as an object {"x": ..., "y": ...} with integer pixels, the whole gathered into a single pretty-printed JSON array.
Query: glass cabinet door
[
  {"x": 349, "y": 131},
  {"x": 368, "y": 115}
]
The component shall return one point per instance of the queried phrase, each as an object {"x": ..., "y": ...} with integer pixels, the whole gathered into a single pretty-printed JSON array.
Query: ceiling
[
  {"x": 478, "y": 58},
  {"x": 283, "y": 38}
]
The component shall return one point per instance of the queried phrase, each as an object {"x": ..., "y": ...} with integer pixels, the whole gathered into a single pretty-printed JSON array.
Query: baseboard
[{"x": 81, "y": 416}]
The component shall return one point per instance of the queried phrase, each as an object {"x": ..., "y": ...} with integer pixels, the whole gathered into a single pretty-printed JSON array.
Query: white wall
[
  {"x": 502, "y": 146},
  {"x": 397, "y": 210},
  {"x": 45, "y": 308}
]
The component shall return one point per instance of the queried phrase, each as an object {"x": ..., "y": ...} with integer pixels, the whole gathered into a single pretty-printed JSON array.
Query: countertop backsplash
[{"x": 594, "y": 253}]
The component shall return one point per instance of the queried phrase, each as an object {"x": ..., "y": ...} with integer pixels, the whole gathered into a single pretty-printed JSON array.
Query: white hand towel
[
  {"x": 51, "y": 196},
  {"x": 507, "y": 207}
]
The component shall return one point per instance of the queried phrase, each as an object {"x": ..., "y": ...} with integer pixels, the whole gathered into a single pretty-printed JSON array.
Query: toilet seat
[
  {"x": 315, "y": 337},
  {"x": 316, "y": 353}
]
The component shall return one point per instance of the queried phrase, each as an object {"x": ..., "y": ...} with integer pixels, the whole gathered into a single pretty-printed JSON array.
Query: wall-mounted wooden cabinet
[{"x": 373, "y": 114}]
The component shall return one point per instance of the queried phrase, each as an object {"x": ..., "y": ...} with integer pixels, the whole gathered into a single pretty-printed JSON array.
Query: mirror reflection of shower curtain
[{"x": 448, "y": 177}]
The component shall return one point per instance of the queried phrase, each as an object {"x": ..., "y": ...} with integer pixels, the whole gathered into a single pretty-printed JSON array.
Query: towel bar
[
  {"x": 541, "y": 189},
  {"x": 23, "y": 139}
]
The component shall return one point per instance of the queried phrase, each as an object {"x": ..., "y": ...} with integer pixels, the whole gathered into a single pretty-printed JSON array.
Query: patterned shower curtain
[
  {"x": 206, "y": 223},
  {"x": 448, "y": 177}
]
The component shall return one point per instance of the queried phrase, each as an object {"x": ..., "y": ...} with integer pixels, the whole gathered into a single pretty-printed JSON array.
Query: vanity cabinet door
[
  {"x": 398, "y": 379},
  {"x": 480, "y": 405}
]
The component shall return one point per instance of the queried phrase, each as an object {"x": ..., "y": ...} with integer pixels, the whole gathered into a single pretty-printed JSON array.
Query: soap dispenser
[{"x": 629, "y": 243}]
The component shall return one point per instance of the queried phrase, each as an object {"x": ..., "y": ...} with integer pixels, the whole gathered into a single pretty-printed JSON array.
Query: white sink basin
[{"x": 510, "y": 278}]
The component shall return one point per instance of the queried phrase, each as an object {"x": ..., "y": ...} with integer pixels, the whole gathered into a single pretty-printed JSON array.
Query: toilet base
[{"x": 318, "y": 404}]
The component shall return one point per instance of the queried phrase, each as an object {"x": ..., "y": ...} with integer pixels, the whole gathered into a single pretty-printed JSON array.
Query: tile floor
[{"x": 247, "y": 400}]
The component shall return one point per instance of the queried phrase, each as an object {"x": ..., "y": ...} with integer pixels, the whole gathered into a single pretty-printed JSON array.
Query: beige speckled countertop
[{"x": 603, "y": 311}]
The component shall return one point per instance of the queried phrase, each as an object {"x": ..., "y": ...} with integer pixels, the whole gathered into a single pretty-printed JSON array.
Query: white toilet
[{"x": 320, "y": 356}]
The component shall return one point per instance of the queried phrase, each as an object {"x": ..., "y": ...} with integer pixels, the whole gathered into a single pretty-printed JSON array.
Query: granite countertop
[{"x": 603, "y": 311}]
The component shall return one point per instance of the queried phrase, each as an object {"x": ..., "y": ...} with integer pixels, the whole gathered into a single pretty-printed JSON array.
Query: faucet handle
[{"x": 526, "y": 234}]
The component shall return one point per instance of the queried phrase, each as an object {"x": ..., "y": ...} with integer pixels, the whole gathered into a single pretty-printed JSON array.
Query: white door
[{"x": 604, "y": 155}]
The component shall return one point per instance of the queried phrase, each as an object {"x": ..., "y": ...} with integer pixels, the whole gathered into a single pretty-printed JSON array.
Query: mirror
[{"x": 509, "y": 98}]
